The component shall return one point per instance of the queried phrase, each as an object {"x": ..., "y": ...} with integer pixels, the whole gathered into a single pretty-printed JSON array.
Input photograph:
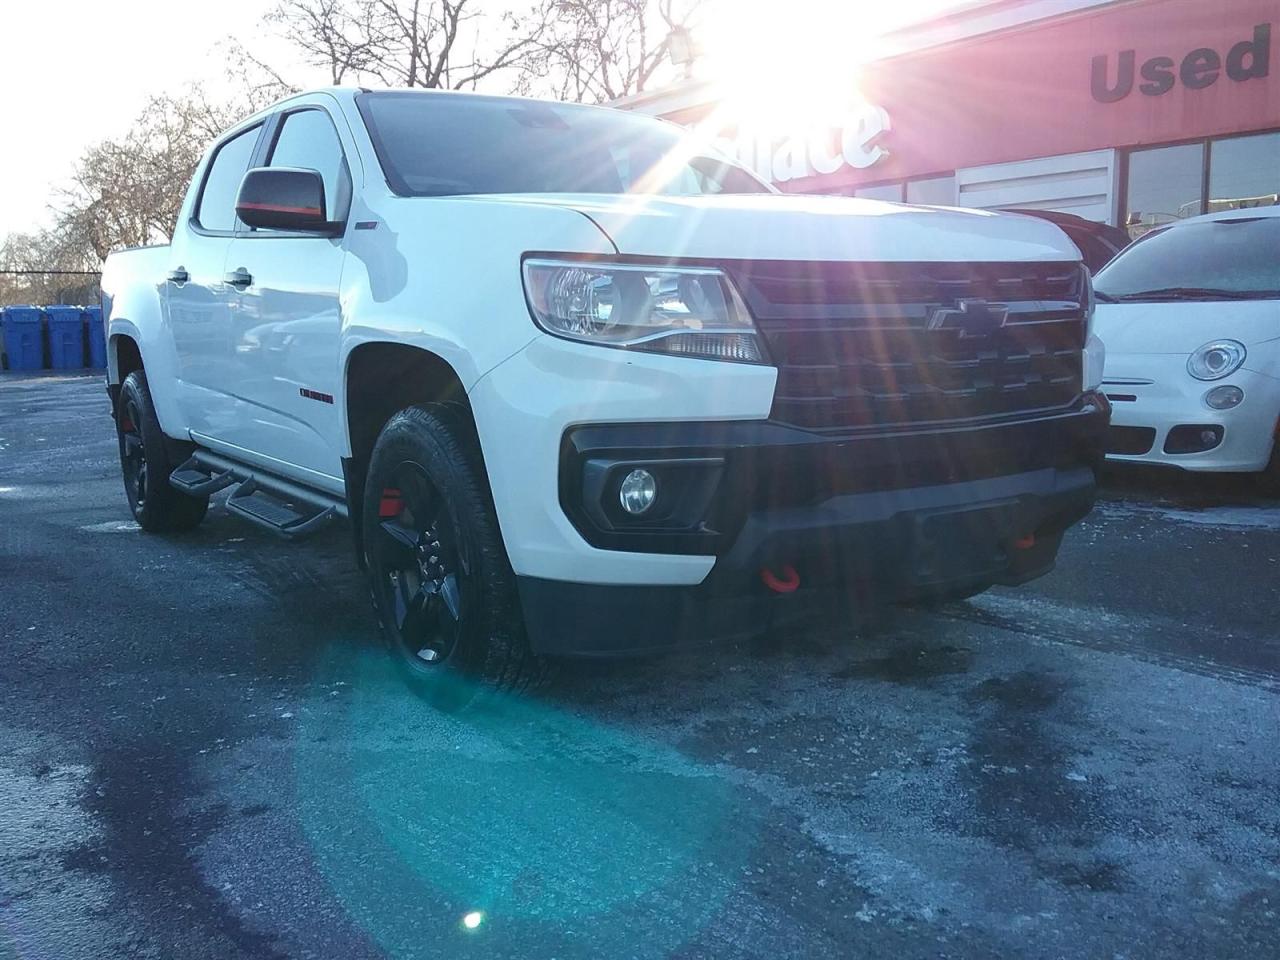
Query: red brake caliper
[{"x": 391, "y": 504}]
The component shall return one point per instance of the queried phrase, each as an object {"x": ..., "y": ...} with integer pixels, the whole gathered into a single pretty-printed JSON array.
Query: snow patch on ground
[
  {"x": 1237, "y": 518},
  {"x": 113, "y": 526}
]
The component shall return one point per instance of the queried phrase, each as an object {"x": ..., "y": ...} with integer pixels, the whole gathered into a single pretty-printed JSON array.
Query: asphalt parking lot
[{"x": 202, "y": 754}]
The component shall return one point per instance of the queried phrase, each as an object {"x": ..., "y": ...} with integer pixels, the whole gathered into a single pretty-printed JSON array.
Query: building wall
[
  {"x": 1041, "y": 113},
  {"x": 1081, "y": 183},
  {"x": 1053, "y": 89}
]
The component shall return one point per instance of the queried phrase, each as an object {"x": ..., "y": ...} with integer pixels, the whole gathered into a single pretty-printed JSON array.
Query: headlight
[
  {"x": 1216, "y": 360},
  {"x": 685, "y": 311}
]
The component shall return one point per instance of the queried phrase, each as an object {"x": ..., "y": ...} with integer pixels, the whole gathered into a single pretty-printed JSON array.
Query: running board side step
[
  {"x": 258, "y": 506},
  {"x": 194, "y": 482},
  {"x": 287, "y": 509}
]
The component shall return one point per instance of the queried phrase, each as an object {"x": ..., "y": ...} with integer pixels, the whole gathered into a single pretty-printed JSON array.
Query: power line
[{"x": 52, "y": 273}]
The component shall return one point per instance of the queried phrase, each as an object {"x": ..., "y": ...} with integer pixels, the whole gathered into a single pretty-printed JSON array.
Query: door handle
[
  {"x": 179, "y": 275},
  {"x": 239, "y": 278}
]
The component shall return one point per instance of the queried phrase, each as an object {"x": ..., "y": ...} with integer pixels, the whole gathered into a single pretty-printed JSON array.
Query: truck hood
[
  {"x": 1182, "y": 328},
  {"x": 793, "y": 227}
]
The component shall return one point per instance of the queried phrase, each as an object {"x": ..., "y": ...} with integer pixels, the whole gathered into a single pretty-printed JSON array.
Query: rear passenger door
[
  {"x": 286, "y": 320},
  {"x": 196, "y": 295}
]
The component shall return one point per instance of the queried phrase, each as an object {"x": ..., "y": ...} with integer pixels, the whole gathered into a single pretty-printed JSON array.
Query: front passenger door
[{"x": 286, "y": 318}]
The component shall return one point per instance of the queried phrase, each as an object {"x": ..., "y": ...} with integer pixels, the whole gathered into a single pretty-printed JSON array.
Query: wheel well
[
  {"x": 383, "y": 379},
  {"x": 128, "y": 357}
]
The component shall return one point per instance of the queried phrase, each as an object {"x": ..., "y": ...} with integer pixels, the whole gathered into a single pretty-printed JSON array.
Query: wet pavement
[{"x": 203, "y": 754}]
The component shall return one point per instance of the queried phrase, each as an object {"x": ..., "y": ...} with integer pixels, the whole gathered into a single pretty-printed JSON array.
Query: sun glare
[
  {"x": 790, "y": 67},
  {"x": 785, "y": 67}
]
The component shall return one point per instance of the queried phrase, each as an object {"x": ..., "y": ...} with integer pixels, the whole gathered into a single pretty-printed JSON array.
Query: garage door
[{"x": 1079, "y": 183}]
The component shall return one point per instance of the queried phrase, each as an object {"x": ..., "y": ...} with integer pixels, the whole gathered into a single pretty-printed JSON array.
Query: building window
[
  {"x": 1165, "y": 184},
  {"x": 1170, "y": 183},
  {"x": 1244, "y": 172}
]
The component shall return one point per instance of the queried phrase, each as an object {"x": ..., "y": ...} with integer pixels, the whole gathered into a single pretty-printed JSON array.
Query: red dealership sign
[{"x": 1132, "y": 74}]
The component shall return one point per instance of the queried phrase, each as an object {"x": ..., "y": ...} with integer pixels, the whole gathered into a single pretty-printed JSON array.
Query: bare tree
[
  {"x": 414, "y": 43},
  {"x": 338, "y": 35},
  {"x": 49, "y": 266},
  {"x": 601, "y": 50},
  {"x": 127, "y": 191},
  {"x": 259, "y": 86}
]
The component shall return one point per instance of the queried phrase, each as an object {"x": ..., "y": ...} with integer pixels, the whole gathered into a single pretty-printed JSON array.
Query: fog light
[
  {"x": 638, "y": 491},
  {"x": 1193, "y": 438},
  {"x": 1224, "y": 398}
]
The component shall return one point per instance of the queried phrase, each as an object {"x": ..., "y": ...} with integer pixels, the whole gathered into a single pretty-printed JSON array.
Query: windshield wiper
[{"x": 1187, "y": 293}]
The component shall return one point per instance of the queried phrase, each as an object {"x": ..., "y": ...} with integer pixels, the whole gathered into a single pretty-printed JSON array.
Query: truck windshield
[
  {"x": 438, "y": 144},
  {"x": 1213, "y": 260}
]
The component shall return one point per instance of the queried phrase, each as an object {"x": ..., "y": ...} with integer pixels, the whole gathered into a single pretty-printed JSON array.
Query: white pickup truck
[{"x": 582, "y": 387}]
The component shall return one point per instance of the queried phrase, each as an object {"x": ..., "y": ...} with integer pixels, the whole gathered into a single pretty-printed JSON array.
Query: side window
[
  {"x": 307, "y": 140},
  {"x": 217, "y": 207}
]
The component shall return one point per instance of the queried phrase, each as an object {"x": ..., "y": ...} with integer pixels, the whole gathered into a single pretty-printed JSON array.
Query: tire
[
  {"x": 442, "y": 586},
  {"x": 146, "y": 462}
]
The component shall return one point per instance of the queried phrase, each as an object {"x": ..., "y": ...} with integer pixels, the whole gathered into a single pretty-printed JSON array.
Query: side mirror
[{"x": 284, "y": 198}]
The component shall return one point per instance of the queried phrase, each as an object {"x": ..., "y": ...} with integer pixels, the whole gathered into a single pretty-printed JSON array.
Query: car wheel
[
  {"x": 146, "y": 464},
  {"x": 442, "y": 586}
]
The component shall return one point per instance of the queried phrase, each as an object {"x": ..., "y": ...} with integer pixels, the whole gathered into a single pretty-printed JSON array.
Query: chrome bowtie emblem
[{"x": 973, "y": 318}]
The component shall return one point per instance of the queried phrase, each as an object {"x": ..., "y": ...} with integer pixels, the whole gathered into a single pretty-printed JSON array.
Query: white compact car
[{"x": 1191, "y": 318}]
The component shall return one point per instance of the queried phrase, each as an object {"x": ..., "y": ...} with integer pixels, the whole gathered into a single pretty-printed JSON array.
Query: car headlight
[
  {"x": 1217, "y": 359},
  {"x": 683, "y": 311}
]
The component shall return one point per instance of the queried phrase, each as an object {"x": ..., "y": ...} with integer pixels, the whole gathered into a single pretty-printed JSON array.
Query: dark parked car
[{"x": 1098, "y": 242}]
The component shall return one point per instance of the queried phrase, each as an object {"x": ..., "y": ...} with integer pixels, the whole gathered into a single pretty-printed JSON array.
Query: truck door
[
  {"x": 196, "y": 296},
  {"x": 286, "y": 316}
]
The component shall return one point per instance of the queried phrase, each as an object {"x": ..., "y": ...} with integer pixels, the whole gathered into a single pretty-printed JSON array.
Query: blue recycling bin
[
  {"x": 23, "y": 337},
  {"x": 66, "y": 337},
  {"x": 97, "y": 337}
]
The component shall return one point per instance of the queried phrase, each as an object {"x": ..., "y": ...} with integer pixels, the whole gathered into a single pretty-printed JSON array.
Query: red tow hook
[
  {"x": 789, "y": 582},
  {"x": 1026, "y": 543}
]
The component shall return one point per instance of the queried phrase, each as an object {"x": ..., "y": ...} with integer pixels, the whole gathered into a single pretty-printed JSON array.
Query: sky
[{"x": 90, "y": 65}]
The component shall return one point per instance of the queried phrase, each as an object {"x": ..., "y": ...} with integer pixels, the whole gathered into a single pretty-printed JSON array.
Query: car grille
[{"x": 871, "y": 345}]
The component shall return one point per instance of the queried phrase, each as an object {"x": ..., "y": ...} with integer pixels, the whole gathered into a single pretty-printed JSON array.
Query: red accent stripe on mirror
[{"x": 277, "y": 208}]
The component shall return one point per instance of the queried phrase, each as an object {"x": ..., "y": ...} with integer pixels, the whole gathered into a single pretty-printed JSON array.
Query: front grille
[{"x": 869, "y": 345}]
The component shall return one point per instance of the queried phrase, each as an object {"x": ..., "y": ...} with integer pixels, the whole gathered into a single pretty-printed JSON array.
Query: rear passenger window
[
  {"x": 308, "y": 141},
  {"x": 217, "y": 207}
]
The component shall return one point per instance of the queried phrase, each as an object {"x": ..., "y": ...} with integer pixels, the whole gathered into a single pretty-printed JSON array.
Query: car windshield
[
  {"x": 433, "y": 145},
  {"x": 1211, "y": 260}
]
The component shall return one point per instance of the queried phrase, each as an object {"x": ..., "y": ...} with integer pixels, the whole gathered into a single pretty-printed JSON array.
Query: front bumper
[
  {"x": 1176, "y": 399},
  {"x": 865, "y": 519}
]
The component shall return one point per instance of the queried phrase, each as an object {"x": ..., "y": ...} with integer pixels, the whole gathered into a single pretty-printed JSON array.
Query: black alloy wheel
[
  {"x": 442, "y": 585},
  {"x": 133, "y": 453},
  {"x": 147, "y": 457},
  {"x": 424, "y": 569}
]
